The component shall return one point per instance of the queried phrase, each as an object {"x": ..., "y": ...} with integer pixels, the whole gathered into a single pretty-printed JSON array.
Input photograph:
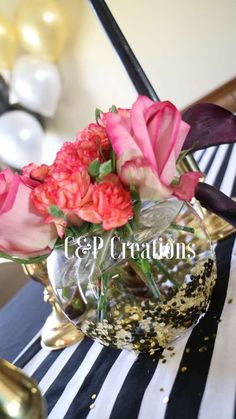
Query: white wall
[{"x": 187, "y": 47}]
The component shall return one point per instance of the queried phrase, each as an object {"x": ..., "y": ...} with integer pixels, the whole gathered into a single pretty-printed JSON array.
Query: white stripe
[
  {"x": 27, "y": 346},
  {"x": 219, "y": 395},
  {"x": 206, "y": 158},
  {"x": 56, "y": 368},
  {"x": 153, "y": 404},
  {"x": 216, "y": 165},
  {"x": 112, "y": 385},
  {"x": 72, "y": 388},
  {"x": 230, "y": 174},
  {"x": 198, "y": 154},
  {"x": 34, "y": 363}
]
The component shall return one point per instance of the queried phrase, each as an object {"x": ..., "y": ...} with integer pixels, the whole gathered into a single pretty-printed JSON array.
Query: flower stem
[
  {"x": 143, "y": 270},
  {"x": 181, "y": 228},
  {"x": 165, "y": 272},
  {"x": 104, "y": 278}
]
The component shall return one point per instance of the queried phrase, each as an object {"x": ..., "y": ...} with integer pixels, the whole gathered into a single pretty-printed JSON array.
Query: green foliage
[
  {"x": 105, "y": 168},
  {"x": 94, "y": 168},
  {"x": 56, "y": 212},
  {"x": 114, "y": 109},
  {"x": 97, "y": 114}
]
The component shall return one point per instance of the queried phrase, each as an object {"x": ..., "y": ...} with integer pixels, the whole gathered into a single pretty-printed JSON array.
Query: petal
[
  {"x": 88, "y": 213},
  {"x": 11, "y": 194},
  {"x": 140, "y": 129},
  {"x": 170, "y": 133},
  {"x": 185, "y": 190},
  {"x": 23, "y": 231},
  {"x": 210, "y": 125},
  {"x": 119, "y": 132},
  {"x": 139, "y": 174}
]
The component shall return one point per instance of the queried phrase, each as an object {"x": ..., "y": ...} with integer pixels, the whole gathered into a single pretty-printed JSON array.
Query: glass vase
[{"x": 137, "y": 288}]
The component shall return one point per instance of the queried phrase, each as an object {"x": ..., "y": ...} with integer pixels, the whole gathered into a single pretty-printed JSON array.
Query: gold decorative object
[
  {"x": 217, "y": 228},
  {"x": 42, "y": 27},
  {"x": 57, "y": 332},
  {"x": 20, "y": 397},
  {"x": 8, "y": 43}
]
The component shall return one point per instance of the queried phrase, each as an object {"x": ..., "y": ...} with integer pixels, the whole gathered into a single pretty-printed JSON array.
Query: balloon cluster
[{"x": 41, "y": 30}]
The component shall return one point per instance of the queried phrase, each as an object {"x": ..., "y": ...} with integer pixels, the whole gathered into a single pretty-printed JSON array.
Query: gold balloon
[
  {"x": 8, "y": 43},
  {"x": 42, "y": 28}
]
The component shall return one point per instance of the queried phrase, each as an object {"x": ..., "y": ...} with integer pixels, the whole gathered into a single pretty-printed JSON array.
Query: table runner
[{"x": 197, "y": 379}]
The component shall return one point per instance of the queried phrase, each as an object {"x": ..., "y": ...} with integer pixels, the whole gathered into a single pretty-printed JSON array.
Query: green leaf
[
  {"x": 114, "y": 109},
  {"x": 56, "y": 212},
  {"x": 97, "y": 114},
  {"x": 96, "y": 229},
  {"x": 36, "y": 259},
  {"x": 105, "y": 168},
  {"x": 94, "y": 168},
  {"x": 66, "y": 293},
  {"x": 81, "y": 230}
]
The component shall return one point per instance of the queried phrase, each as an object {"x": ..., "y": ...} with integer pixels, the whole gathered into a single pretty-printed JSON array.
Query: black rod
[{"x": 131, "y": 64}]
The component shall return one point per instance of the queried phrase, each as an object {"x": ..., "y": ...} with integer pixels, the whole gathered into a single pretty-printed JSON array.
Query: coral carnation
[{"x": 110, "y": 205}]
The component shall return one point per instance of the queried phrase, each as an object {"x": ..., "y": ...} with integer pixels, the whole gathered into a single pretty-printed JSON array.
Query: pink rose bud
[{"x": 147, "y": 143}]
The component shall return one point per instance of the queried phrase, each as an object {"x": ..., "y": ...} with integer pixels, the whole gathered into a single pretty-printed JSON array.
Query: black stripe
[
  {"x": 92, "y": 384},
  {"x": 45, "y": 365},
  {"x": 233, "y": 193},
  {"x": 57, "y": 387},
  {"x": 29, "y": 353},
  {"x": 223, "y": 168},
  {"x": 128, "y": 402},
  {"x": 209, "y": 164},
  {"x": 21, "y": 320},
  {"x": 189, "y": 386}
]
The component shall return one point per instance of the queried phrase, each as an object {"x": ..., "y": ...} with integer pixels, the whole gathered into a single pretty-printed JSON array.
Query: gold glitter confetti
[
  {"x": 184, "y": 369},
  {"x": 93, "y": 396},
  {"x": 206, "y": 338},
  {"x": 188, "y": 350},
  {"x": 230, "y": 300},
  {"x": 161, "y": 389},
  {"x": 92, "y": 406},
  {"x": 166, "y": 399}
]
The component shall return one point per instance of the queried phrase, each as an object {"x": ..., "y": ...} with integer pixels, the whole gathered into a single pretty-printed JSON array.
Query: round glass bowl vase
[{"x": 138, "y": 289}]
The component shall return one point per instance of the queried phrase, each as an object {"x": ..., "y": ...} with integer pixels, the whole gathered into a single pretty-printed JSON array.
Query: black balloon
[
  {"x": 18, "y": 107},
  {"x": 4, "y": 96}
]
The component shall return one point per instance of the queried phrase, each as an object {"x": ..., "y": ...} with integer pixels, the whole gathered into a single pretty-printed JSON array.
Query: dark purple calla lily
[
  {"x": 217, "y": 202},
  {"x": 210, "y": 125}
]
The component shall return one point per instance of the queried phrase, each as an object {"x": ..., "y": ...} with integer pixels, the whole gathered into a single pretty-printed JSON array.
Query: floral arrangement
[{"x": 99, "y": 180}]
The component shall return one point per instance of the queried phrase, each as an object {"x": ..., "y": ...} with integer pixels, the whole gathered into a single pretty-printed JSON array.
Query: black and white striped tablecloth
[{"x": 128, "y": 386}]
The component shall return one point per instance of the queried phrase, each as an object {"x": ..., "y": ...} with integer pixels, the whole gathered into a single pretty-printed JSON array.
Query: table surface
[{"x": 128, "y": 386}]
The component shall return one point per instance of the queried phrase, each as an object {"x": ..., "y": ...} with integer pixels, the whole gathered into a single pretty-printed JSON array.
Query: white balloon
[
  {"x": 21, "y": 139},
  {"x": 36, "y": 84}
]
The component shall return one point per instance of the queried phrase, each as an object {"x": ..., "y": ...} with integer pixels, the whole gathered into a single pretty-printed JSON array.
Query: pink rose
[
  {"x": 23, "y": 232},
  {"x": 147, "y": 145},
  {"x": 110, "y": 204}
]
